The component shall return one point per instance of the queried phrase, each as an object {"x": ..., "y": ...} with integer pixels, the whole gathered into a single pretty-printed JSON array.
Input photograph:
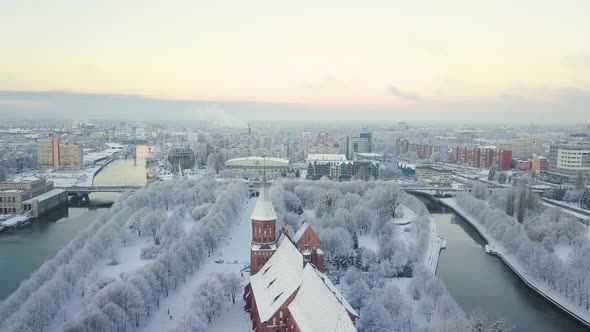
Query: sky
[{"x": 410, "y": 60}]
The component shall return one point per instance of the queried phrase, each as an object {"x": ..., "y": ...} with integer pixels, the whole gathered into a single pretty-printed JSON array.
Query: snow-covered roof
[
  {"x": 257, "y": 161},
  {"x": 369, "y": 154},
  {"x": 115, "y": 146},
  {"x": 14, "y": 221},
  {"x": 263, "y": 210},
  {"x": 336, "y": 292},
  {"x": 282, "y": 236},
  {"x": 300, "y": 231},
  {"x": 44, "y": 196},
  {"x": 326, "y": 157},
  {"x": 277, "y": 279},
  {"x": 282, "y": 275},
  {"x": 316, "y": 308}
]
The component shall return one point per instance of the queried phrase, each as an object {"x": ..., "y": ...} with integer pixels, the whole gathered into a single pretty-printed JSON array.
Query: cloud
[
  {"x": 567, "y": 105},
  {"x": 22, "y": 103},
  {"x": 405, "y": 95}
]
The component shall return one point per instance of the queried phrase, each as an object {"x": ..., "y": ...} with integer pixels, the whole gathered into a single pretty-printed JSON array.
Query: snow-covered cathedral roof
[
  {"x": 263, "y": 211},
  {"x": 316, "y": 308},
  {"x": 282, "y": 275},
  {"x": 277, "y": 279}
]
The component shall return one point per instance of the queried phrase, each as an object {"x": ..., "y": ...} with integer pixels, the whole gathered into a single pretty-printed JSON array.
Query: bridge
[
  {"x": 438, "y": 190},
  {"x": 85, "y": 190}
]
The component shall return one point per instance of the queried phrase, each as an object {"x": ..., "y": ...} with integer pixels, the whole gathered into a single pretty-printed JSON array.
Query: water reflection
[
  {"x": 24, "y": 250},
  {"x": 480, "y": 281}
]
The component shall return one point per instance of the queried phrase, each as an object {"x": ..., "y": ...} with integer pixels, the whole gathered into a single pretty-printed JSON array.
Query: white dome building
[{"x": 258, "y": 163}]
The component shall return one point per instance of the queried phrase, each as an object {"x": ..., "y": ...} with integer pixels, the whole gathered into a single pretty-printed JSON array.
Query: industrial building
[{"x": 32, "y": 194}]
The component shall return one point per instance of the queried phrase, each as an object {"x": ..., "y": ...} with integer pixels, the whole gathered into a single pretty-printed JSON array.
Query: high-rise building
[
  {"x": 322, "y": 137},
  {"x": 569, "y": 159},
  {"x": 267, "y": 142},
  {"x": 71, "y": 155},
  {"x": 305, "y": 135},
  {"x": 484, "y": 157},
  {"x": 53, "y": 153},
  {"x": 402, "y": 146},
  {"x": 45, "y": 153},
  {"x": 362, "y": 143},
  {"x": 192, "y": 136},
  {"x": 369, "y": 137}
]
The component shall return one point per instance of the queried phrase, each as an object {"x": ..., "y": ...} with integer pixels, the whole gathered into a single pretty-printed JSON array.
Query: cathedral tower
[{"x": 264, "y": 220}]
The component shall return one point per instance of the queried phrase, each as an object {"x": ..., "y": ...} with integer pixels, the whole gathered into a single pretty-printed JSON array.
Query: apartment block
[{"x": 53, "y": 153}]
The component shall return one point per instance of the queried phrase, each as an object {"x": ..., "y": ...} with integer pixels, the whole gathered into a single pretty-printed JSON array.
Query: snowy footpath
[
  {"x": 435, "y": 245},
  {"x": 569, "y": 208},
  {"x": 235, "y": 247},
  {"x": 535, "y": 284}
]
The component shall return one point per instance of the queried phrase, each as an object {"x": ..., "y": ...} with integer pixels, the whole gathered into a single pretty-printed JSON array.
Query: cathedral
[{"x": 288, "y": 290}]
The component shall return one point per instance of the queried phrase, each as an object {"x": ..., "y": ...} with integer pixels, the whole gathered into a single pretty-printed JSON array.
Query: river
[
  {"x": 24, "y": 250},
  {"x": 479, "y": 281}
]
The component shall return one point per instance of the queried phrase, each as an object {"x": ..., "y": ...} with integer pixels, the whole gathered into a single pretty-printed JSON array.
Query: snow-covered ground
[
  {"x": 568, "y": 204},
  {"x": 407, "y": 215},
  {"x": 369, "y": 242},
  {"x": 562, "y": 251},
  {"x": 498, "y": 249},
  {"x": 66, "y": 178},
  {"x": 570, "y": 208},
  {"x": 178, "y": 304},
  {"x": 236, "y": 247},
  {"x": 435, "y": 244},
  {"x": 573, "y": 213}
]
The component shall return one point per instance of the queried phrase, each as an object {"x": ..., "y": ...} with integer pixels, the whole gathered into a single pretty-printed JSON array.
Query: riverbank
[
  {"x": 26, "y": 249},
  {"x": 498, "y": 250},
  {"x": 437, "y": 244}
]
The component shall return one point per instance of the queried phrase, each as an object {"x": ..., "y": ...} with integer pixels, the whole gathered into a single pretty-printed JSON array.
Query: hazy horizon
[{"x": 569, "y": 109}]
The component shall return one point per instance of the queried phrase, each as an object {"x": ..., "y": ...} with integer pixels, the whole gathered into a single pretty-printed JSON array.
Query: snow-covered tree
[
  {"x": 357, "y": 294},
  {"x": 232, "y": 283},
  {"x": 151, "y": 225},
  {"x": 208, "y": 298}
]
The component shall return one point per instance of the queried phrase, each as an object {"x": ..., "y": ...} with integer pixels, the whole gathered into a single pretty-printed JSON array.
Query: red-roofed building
[{"x": 287, "y": 289}]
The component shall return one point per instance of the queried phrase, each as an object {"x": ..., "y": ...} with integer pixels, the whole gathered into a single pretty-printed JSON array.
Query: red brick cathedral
[
  {"x": 287, "y": 289},
  {"x": 264, "y": 239}
]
